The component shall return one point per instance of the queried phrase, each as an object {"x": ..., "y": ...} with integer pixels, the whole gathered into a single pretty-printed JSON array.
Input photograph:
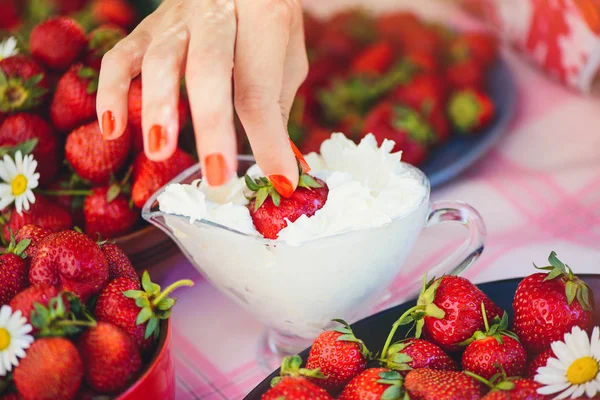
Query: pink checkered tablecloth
[{"x": 538, "y": 190}]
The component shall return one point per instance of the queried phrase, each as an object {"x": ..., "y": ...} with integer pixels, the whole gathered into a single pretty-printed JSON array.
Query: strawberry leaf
[
  {"x": 250, "y": 184},
  {"x": 113, "y": 192},
  {"x": 275, "y": 196},
  {"x": 571, "y": 291},
  {"x": 151, "y": 328},
  {"x": 166, "y": 304},
  {"x": 144, "y": 315},
  {"x": 133, "y": 294},
  {"x": 261, "y": 196},
  {"x": 308, "y": 182}
]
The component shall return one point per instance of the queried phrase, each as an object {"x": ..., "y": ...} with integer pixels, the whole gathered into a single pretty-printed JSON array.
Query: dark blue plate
[
  {"x": 460, "y": 152},
  {"x": 374, "y": 329}
]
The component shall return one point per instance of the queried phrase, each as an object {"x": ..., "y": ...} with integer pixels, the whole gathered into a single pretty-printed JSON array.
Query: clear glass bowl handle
[{"x": 458, "y": 261}]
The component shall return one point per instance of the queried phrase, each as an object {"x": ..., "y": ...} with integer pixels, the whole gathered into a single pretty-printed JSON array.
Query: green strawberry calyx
[
  {"x": 58, "y": 320},
  {"x": 17, "y": 94},
  {"x": 497, "y": 330},
  {"x": 497, "y": 382},
  {"x": 425, "y": 308},
  {"x": 411, "y": 121},
  {"x": 92, "y": 76},
  {"x": 154, "y": 304},
  {"x": 464, "y": 110},
  {"x": 575, "y": 288},
  {"x": 292, "y": 366},
  {"x": 395, "y": 391},
  {"x": 104, "y": 39},
  {"x": 118, "y": 187},
  {"x": 396, "y": 359},
  {"x": 347, "y": 335},
  {"x": 25, "y": 147},
  {"x": 15, "y": 248},
  {"x": 263, "y": 188}
]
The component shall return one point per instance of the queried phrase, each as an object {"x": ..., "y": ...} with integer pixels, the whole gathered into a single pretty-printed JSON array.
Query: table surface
[{"x": 538, "y": 190}]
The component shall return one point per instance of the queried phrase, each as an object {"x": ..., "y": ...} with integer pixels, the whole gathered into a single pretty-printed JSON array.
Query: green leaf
[
  {"x": 276, "y": 198},
  {"x": 505, "y": 385},
  {"x": 553, "y": 274},
  {"x": 390, "y": 375},
  {"x": 152, "y": 327},
  {"x": 583, "y": 296},
  {"x": 166, "y": 304},
  {"x": 295, "y": 362},
  {"x": 34, "y": 80},
  {"x": 142, "y": 302},
  {"x": 250, "y": 184},
  {"x": 308, "y": 182},
  {"x": 261, "y": 196},
  {"x": 144, "y": 315},
  {"x": 392, "y": 393},
  {"x": 431, "y": 310},
  {"x": 555, "y": 262},
  {"x": 571, "y": 291},
  {"x": 401, "y": 358},
  {"x": 21, "y": 246},
  {"x": 274, "y": 383},
  {"x": 113, "y": 192},
  {"x": 133, "y": 294},
  {"x": 347, "y": 338},
  {"x": 39, "y": 316},
  {"x": 165, "y": 314},
  {"x": 3, "y": 79},
  {"x": 92, "y": 87}
]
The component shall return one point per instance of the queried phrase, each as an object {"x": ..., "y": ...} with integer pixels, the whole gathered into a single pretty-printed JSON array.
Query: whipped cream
[{"x": 368, "y": 188}]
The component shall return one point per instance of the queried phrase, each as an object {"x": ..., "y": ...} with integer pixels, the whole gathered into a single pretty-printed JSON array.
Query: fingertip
[{"x": 160, "y": 143}]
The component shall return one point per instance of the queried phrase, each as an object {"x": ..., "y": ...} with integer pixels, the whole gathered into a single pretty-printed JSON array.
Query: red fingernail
[
  {"x": 216, "y": 169},
  {"x": 300, "y": 157},
  {"x": 108, "y": 124},
  {"x": 282, "y": 184},
  {"x": 157, "y": 138}
]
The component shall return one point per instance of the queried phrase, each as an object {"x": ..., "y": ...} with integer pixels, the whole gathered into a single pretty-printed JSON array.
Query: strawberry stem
[
  {"x": 88, "y": 324},
  {"x": 395, "y": 326},
  {"x": 170, "y": 288},
  {"x": 69, "y": 192},
  {"x": 485, "y": 320}
]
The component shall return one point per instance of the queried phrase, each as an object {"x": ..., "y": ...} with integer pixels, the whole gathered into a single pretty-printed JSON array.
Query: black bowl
[{"x": 374, "y": 329}]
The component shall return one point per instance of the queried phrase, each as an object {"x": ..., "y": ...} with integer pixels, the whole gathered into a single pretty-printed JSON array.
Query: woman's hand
[{"x": 258, "y": 43}]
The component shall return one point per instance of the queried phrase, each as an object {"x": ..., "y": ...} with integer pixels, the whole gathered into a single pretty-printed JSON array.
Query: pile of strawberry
[
  {"x": 95, "y": 323},
  {"x": 395, "y": 76},
  {"x": 48, "y": 108},
  {"x": 460, "y": 347}
]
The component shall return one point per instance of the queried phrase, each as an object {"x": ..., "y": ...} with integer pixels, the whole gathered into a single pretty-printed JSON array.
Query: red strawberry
[
  {"x": 339, "y": 355},
  {"x": 94, "y": 158},
  {"x": 57, "y": 42},
  {"x": 117, "y": 12},
  {"x": 423, "y": 39},
  {"x": 466, "y": 74},
  {"x": 10, "y": 15},
  {"x": 100, "y": 41},
  {"x": 149, "y": 176},
  {"x": 448, "y": 312},
  {"x": 119, "y": 265},
  {"x": 421, "y": 62},
  {"x": 394, "y": 26},
  {"x": 110, "y": 358},
  {"x": 23, "y": 84},
  {"x": 354, "y": 23},
  {"x": 374, "y": 383},
  {"x": 538, "y": 361},
  {"x": 270, "y": 211},
  {"x": 429, "y": 384},
  {"x": 406, "y": 127},
  {"x": 423, "y": 92},
  {"x": 52, "y": 370},
  {"x": 480, "y": 46},
  {"x": 108, "y": 212},
  {"x": 19, "y": 128},
  {"x": 418, "y": 353},
  {"x": 374, "y": 60},
  {"x": 313, "y": 29},
  {"x": 549, "y": 305},
  {"x": 74, "y": 101},
  {"x": 494, "y": 351},
  {"x": 336, "y": 46},
  {"x": 42, "y": 213},
  {"x": 439, "y": 122},
  {"x": 516, "y": 389},
  {"x": 35, "y": 234},
  {"x": 293, "y": 383},
  {"x": 68, "y": 6},
  {"x": 123, "y": 304},
  {"x": 25, "y": 299},
  {"x": 470, "y": 110},
  {"x": 13, "y": 270},
  {"x": 70, "y": 261}
]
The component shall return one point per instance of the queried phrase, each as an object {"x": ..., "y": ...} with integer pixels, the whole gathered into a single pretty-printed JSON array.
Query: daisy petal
[
  {"x": 551, "y": 389},
  {"x": 590, "y": 389},
  {"x": 563, "y": 353}
]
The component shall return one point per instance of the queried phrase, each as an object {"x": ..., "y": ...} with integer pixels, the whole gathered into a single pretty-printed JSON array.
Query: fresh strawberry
[
  {"x": 70, "y": 261},
  {"x": 339, "y": 355},
  {"x": 134, "y": 116},
  {"x": 137, "y": 312},
  {"x": 480, "y": 46},
  {"x": 570, "y": 300},
  {"x": 421, "y": 62},
  {"x": 13, "y": 270},
  {"x": 494, "y": 350},
  {"x": 538, "y": 361},
  {"x": 10, "y": 15},
  {"x": 25, "y": 299},
  {"x": 117, "y": 12},
  {"x": 516, "y": 389},
  {"x": 429, "y": 384},
  {"x": 448, "y": 312},
  {"x": 23, "y": 84},
  {"x": 110, "y": 358},
  {"x": 466, "y": 74},
  {"x": 52, "y": 370},
  {"x": 355, "y": 23},
  {"x": 119, "y": 265},
  {"x": 395, "y": 25},
  {"x": 374, "y": 383},
  {"x": 65, "y": 7},
  {"x": 34, "y": 234},
  {"x": 270, "y": 212},
  {"x": 149, "y": 176},
  {"x": 100, "y": 41},
  {"x": 374, "y": 60},
  {"x": 470, "y": 110},
  {"x": 57, "y": 42},
  {"x": 19, "y": 128},
  {"x": 439, "y": 122},
  {"x": 417, "y": 353},
  {"x": 94, "y": 158},
  {"x": 108, "y": 212},
  {"x": 74, "y": 101},
  {"x": 294, "y": 384},
  {"x": 411, "y": 133},
  {"x": 422, "y": 39},
  {"x": 42, "y": 213},
  {"x": 423, "y": 92},
  {"x": 336, "y": 46}
]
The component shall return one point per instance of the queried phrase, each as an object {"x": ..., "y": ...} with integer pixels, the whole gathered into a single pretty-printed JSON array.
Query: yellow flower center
[
  {"x": 4, "y": 339},
  {"x": 19, "y": 185},
  {"x": 582, "y": 370}
]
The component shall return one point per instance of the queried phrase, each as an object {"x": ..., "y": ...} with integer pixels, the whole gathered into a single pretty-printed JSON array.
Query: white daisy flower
[
  {"x": 574, "y": 372},
  {"x": 14, "y": 338},
  {"x": 8, "y": 48},
  {"x": 20, "y": 179}
]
